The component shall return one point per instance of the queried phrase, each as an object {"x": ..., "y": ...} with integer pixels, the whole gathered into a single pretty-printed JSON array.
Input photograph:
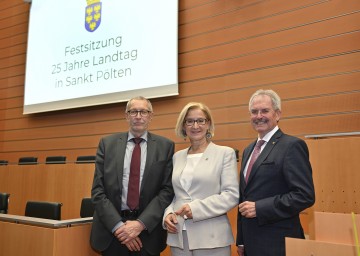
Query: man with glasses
[
  {"x": 132, "y": 187},
  {"x": 275, "y": 182}
]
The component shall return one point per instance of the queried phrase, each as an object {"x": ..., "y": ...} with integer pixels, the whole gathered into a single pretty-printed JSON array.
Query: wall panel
[{"x": 308, "y": 51}]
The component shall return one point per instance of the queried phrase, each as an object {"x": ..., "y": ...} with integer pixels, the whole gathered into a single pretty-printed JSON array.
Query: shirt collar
[
  {"x": 268, "y": 136},
  {"x": 144, "y": 136}
]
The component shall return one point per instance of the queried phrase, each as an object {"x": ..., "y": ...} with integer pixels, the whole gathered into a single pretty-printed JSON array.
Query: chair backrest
[
  {"x": 87, "y": 208},
  {"x": 55, "y": 160},
  {"x": 42, "y": 209},
  {"x": 85, "y": 159},
  {"x": 28, "y": 160},
  {"x": 4, "y": 202},
  {"x": 4, "y": 162}
]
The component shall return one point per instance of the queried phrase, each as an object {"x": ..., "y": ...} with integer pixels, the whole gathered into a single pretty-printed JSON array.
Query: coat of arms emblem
[{"x": 92, "y": 15}]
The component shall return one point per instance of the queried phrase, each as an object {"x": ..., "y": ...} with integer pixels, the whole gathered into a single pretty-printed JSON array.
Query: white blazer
[{"x": 213, "y": 192}]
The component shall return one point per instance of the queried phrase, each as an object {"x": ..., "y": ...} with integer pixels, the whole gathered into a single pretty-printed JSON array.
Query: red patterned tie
[
  {"x": 254, "y": 156},
  {"x": 134, "y": 179}
]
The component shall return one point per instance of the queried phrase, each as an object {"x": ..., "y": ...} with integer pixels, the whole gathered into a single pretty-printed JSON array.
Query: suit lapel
[
  {"x": 264, "y": 154},
  {"x": 150, "y": 156},
  {"x": 245, "y": 159},
  {"x": 120, "y": 155}
]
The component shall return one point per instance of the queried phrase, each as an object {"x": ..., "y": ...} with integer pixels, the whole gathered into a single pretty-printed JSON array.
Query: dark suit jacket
[
  {"x": 156, "y": 191},
  {"x": 281, "y": 186}
]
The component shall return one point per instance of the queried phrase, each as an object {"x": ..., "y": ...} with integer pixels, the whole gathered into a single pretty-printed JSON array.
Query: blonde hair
[{"x": 179, "y": 129}]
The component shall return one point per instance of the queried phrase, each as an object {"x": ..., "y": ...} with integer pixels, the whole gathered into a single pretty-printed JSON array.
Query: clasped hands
[
  {"x": 171, "y": 219},
  {"x": 128, "y": 234},
  {"x": 247, "y": 209}
]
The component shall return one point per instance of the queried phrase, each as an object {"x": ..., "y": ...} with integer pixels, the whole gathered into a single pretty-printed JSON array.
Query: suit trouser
[
  {"x": 220, "y": 251},
  {"x": 118, "y": 249}
]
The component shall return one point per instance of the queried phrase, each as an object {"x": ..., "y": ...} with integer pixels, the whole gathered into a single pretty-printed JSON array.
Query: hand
[
  {"x": 247, "y": 209},
  {"x": 185, "y": 212},
  {"x": 240, "y": 250},
  {"x": 170, "y": 223},
  {"x": 134, "y": 244},
  {"x": 129, "y": 231}
]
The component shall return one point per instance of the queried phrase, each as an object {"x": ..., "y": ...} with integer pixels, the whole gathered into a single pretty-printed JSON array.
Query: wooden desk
[
  {"x": 33, "y": 236},
  {"x": 335, "y": 227},
  {"x": 300, "y": 247},
  {"x": 66, "y": 183},
  {"x": 332, "y": 234}
]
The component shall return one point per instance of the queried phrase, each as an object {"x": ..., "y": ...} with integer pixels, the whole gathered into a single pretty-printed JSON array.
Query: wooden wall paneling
[
  {"x": 16, "y": 17},
  {"x": 320, "y": 107},
  {"x": 289, "y": 72},
  {"x": 71, "y": 154},
  {"x": 323, "y": 105},
  {"x": 76, "y": 130},
  {"x": 282, "y": 77},
  {"x": 282, "y": 57},
  {"x": 333, "y": 123},
  {"x": 13, "y": 31},
  {"x": 187, "y": 4},
  {"x": 74, "y": 116},
  {"x": 11, "y": 8},
  {"x": 16, "y": 50},
  {"x": 335, "y": 174},
  {"x": 12, "y": 71},
  {"x": 305, "y": 50},
  {"x": 12, "y": 92},
  {"x": 213, "y": 9},
  {"x": 53, "y": 143},
  {"x": 270, "y": 42},
  {"x": 244, "y": 44},
  {"x": 257, "y": 25},
  {"x": 14, "y": 61},
  {"x": 240, "y": 15},
  {"x": 299, "y": 127},
  {"x": 6, "y": 112},
  {"x": 11, "y": 81},
  {"x": 314, "y": 90},
  {"x": 8, "y": 43},
  {"x": 11, "y": 102},
  {"x": 298, "y": 108}
]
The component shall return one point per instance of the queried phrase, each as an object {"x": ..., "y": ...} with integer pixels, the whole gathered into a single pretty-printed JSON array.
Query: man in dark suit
[
  {"x": 119, "y": 229},
  {"x": 275, "y": 187}
]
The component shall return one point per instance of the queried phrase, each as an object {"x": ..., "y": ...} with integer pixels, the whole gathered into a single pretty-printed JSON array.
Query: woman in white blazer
[{"x": 206, "y": 187}]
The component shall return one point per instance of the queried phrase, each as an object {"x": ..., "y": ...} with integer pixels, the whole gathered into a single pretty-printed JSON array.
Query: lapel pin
[{"x": 274, "y": 142}]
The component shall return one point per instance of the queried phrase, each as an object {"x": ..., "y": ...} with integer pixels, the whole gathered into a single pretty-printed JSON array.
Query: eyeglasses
[
  {"x": 255, "y": 112},
  {"x": 142, "y": 112},
  {"x": 191, "y": 122}
]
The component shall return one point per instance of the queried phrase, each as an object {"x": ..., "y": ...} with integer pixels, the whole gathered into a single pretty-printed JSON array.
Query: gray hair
[
  {"x": 128, "y": 105},
  {"x": 275, "y": 99}
]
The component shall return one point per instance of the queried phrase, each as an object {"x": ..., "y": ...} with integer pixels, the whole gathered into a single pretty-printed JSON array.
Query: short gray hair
[
  {"x": 275, "y": 98},
  {"x": 128, "y": 105}
]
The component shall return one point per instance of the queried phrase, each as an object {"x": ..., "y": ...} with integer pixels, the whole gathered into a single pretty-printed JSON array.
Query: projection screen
[{"x": 85, "y": 53}]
